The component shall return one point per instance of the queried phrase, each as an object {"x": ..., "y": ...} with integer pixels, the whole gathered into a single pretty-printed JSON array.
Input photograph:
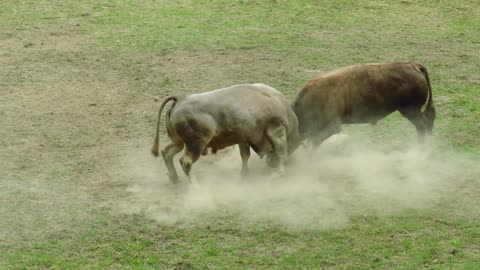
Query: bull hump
[{"x": 360, "y": 67}]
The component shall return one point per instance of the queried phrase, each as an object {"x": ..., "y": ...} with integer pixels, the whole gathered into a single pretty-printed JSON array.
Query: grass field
[{"x": 80, "y": 84}]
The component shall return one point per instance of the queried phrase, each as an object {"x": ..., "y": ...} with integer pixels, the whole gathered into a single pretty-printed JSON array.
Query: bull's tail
[
  {"x": 154, "y": 149},
  {"x": 429, "y": 112}
]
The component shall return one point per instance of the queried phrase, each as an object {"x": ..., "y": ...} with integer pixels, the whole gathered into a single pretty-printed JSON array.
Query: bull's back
[
  {"x": 236, "y": 102},
  {"x": 240, "y": 109},
  {"x": 362, "y": 93}
]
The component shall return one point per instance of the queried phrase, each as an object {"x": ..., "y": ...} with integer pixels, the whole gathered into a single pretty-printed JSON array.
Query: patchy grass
[
  {"x": 409, "y": 241},
  {"x": 78, "y": 83}
]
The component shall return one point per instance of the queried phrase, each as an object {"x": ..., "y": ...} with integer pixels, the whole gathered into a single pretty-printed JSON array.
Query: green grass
[
  {"x": 409, "y": 241},
  {"x": 77, "y": 88}
]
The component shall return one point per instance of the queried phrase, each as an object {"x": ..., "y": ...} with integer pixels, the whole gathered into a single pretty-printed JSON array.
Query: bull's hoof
[
  {"x": 194, "y": 182},
  {"x": 173, "y": 178},
  {"x": 273, "y": 161},
  {"x": 244, "y": 174}
]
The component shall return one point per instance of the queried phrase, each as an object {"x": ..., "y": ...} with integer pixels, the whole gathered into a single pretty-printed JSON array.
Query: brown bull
[
  {"x": 364, "y": 94},
  {"x": 251, "y": 115}
]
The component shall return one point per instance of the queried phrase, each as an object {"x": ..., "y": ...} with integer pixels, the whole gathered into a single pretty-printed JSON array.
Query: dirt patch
[
  {"x": 204, "y": 70},
  {"x": 347, "y": 177},
  {"x": 59, "y": 111}
]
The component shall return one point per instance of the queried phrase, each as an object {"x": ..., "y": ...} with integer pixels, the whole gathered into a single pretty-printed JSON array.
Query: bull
[
  {"x": 364, "y": 93},
  {"x": 248, "y": 115}
]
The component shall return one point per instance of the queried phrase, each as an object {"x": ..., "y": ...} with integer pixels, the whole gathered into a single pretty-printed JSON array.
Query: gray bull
[
  {"x": 364, "y": 94},
  {"x": 251, "y": 115}
]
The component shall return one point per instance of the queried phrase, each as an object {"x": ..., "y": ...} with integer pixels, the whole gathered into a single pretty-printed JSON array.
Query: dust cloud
[{"x": 347, "y": 176}]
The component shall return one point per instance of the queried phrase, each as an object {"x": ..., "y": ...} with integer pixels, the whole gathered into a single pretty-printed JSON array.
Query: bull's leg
[
  {"x": 168, "y": 153},
  {"x": 245, "y": 154},
  {"x": 429, "y": 114},
  {"x": 419, "y": 123},
  {"x": 191, "y": 155},
  {"x": 332, "y": 128},
  {"x": 278, "y": 138},
  {"x": 196, "y": 133},
  {"x": 417, "y": 118}
]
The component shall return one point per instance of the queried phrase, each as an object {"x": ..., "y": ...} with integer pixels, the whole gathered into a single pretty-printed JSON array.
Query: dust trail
[{"x": 344, "y": 177}]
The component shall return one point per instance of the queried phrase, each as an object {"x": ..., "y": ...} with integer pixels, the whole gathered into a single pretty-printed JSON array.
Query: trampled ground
[{"x": 80, "y": 85}]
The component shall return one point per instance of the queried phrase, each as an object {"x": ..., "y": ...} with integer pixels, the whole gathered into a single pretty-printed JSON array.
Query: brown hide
[{"x": 364, "y": 94}]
